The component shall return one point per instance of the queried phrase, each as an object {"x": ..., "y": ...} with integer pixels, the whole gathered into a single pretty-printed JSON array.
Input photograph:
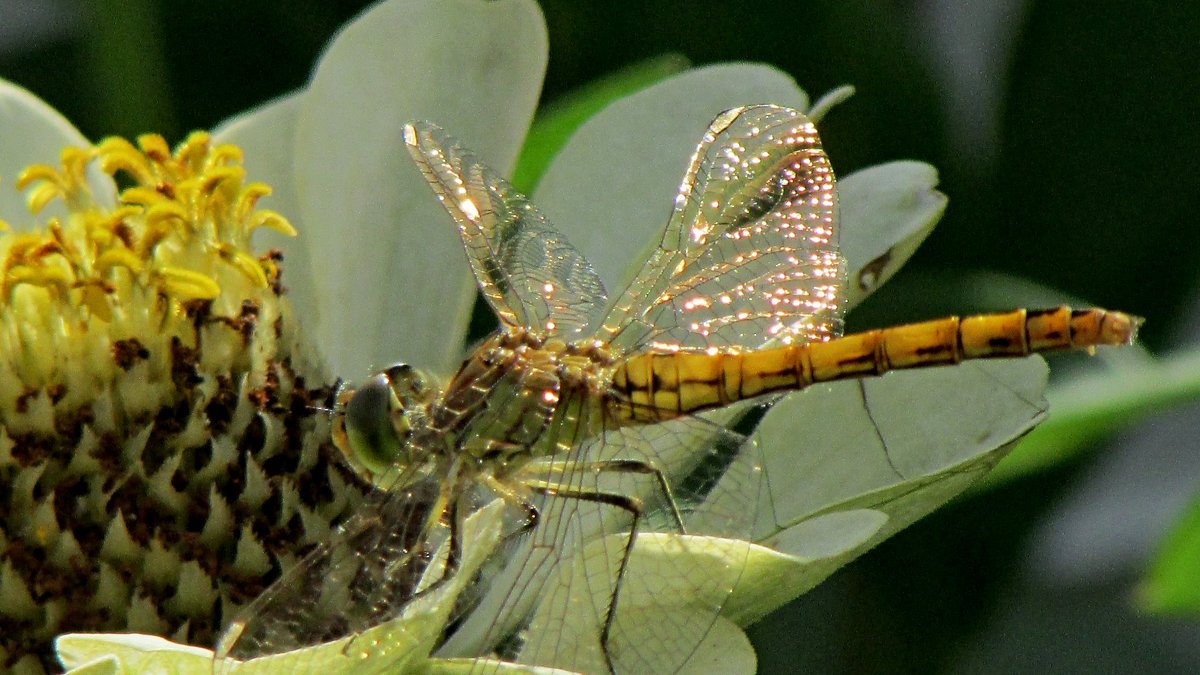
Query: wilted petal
[
  {"x": 849, "y": 464},
  {"x": 815, "y": 548},
  {"x": 902, "y": 444}
]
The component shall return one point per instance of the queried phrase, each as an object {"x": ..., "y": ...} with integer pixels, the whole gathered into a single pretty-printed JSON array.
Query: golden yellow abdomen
[{"x": 654, "y": 386}]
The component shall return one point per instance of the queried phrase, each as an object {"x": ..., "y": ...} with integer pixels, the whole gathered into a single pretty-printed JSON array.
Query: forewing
[
  {"x": 750, "y": 253},
  {"x": 531, "y": 276}
]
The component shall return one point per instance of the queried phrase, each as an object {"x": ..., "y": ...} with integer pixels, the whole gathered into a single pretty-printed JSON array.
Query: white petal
[
  {"x": 611, "y": 188},
  {"x": 886, "y": 212},
  {"x": 864, "y": 444},
  {"x": 31, "y": 132},
  {"x": 390, "y": 273}
]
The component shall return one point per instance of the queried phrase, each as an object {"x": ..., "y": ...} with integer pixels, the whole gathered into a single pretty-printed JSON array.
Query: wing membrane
[
  {"x": 750, "y": 253},
  {"x": 554, "y": 590},
  {"x": 343, "y": 587},
  {"x": 529, "y": 273}
]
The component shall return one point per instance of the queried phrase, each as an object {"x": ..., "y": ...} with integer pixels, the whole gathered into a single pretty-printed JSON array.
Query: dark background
[{"x": 1066, "y": 139}]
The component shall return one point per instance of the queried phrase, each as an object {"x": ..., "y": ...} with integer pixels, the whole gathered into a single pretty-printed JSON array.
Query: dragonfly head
[{"x": 374, "y": 422}]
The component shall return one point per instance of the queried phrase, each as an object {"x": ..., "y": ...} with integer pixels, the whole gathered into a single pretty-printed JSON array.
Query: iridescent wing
[
  {"x": 531, "y": 276},
  {"x": 576, "y": 557},
  {"x": 750, "y": 253}
]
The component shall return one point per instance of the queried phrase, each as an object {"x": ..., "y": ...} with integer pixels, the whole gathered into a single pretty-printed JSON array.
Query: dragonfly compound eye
[{"x": 376, "y": 427}]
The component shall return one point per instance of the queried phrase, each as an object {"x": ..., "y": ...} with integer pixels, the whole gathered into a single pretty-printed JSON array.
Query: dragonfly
[{"x": 600, "y": 426}]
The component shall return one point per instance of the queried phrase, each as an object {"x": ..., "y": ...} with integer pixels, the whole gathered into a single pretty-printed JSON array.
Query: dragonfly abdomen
[{"x": 659, "y": 386}]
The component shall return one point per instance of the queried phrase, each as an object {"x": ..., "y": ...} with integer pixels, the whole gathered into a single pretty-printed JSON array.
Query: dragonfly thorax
[
  {"x": 376, "y": 421},
  {"x": 505, "y": 395}
]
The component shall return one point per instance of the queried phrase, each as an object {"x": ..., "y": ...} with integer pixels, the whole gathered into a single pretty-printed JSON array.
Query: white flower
[{"x": 377, "y": 272}]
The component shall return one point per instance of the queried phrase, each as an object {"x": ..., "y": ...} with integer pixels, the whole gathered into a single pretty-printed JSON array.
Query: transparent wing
[
  {"x": 383, "y": 573},
  {"x": 541, "y": 598},
  {"x": 358, "y": 579},
  {"x": 750, "y": 253},
  {"x": 529, "y": 273},
  {"x": 548, "y": 602}
]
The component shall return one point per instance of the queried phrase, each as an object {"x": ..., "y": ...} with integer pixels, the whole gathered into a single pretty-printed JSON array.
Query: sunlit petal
[
  {"x": 886, "y": 212},
  {"x": 387, "y": 265}
]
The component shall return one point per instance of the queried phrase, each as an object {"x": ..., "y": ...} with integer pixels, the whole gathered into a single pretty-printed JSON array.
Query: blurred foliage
[
  {"x": 1087, "y": 185},
  {"x": 1170, "y": 585}
]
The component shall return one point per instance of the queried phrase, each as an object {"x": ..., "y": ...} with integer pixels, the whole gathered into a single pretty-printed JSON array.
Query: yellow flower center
[
  {"x": 80, "y": 292},
  {"x": 163, "y": 454}
]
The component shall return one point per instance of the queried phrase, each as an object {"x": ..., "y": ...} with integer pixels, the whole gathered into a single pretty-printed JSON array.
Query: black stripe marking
[
  {"x": 741, "y": 376},
  {"x": 651, "y": 379},
  {"x": 722, "y": 397},
  {"x": 858, "y": 360},
  {"x": 959, "y": 350},
  {"x": 936, "y": 350},
  {"x": 1025, "y": 331}
]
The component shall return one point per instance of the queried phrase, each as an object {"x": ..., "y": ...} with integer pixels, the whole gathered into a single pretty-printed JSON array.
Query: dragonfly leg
[
  {"x": 621, "y": 466},
  {"x": 626, "y": 503},
  {"x": 515, "y": 498},
  {"x": 648, "y": 468},
  {"x": 454, "y": 556}
]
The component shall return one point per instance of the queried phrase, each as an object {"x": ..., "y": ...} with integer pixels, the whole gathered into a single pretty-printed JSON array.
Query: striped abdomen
[{"x": 659, "y": 386}]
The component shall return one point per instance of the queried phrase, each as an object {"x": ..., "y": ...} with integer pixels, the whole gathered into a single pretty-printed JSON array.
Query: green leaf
[
  {"x": 1172, "y": 585},
  {"x": 473, "y": 666},
  {"x": 102, "y": 666},
  {"x": 555, "y": 122},
  {"x": 118, "y": 654}
]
